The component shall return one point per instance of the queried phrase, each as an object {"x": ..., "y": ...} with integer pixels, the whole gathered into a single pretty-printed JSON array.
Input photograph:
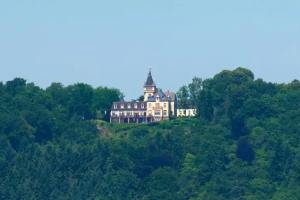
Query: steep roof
[
  {"x": 149, "y": 81},
  {"x": 163, "y": 96},
  {"x": 170, "y": 95}
]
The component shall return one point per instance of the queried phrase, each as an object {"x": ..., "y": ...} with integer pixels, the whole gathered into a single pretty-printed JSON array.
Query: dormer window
[
  {"x": 142, "y": 106},
  {"x": 115, "y": 106},
  {"x": 135, "y": 105},
  {"x": 122, "y": 106},
  {"x": 128, "y": 106}
]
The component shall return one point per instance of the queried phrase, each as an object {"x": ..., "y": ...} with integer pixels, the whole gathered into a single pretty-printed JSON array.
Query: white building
[
  {"x": 186, "y": 112},
  {"x": 157, "y": 106}
]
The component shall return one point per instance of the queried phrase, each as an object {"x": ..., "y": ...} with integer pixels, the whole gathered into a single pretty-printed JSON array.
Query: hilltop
[{"x": 57, "y": 143}]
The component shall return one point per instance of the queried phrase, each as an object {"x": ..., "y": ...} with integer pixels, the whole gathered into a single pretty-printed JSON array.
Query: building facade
[
  {"x": 192, "y": 112},
  {"x": 157, "y": 106}
]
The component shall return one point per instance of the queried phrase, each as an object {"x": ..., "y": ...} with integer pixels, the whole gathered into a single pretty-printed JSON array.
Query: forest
[{"x": 56, "y": 143}]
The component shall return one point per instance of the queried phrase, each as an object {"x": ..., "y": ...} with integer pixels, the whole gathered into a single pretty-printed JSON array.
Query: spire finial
[{"x": 149, "y": 81}]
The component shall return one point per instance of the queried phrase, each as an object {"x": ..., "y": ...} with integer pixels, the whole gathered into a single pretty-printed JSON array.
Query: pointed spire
[{"x": 149, "y": 81}]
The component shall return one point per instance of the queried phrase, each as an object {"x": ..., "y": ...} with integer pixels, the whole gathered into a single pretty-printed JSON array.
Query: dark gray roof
[
  {"x": 171, "y": 95},
  {"x": 168, "y": 96},
  {"x": 129, "y": 105},
  {"x": 149, "y": 81}
]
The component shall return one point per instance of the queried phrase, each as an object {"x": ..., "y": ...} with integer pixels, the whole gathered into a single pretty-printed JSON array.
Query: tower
[{"x": 149, "y": 87}]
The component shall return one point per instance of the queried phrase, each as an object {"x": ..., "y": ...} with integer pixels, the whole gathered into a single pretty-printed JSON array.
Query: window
[
  {"x": 122, "y": 106},
  {"x": 135, "y": 105},
  {"x": 165, "y": 104},
  {"x": 115, "y": 106},
  {"x": 128, "y": 106},
  {"x": 165, "y": 113},
  {"x": 142, "y": 106},
  {"x": 157, "y": 113}
]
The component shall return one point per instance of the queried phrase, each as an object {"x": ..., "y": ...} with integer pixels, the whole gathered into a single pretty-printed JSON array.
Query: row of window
[
  {"x": 157, "y": 104},
  {"x": 158, "y": 113},
  {"x": 128, "y": 106},
  {"x": 187, "y": 112},
  {"x": 128, "y": 114}
]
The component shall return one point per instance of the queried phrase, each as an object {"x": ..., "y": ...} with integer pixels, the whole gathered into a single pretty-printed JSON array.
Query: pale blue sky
[{"x": 113, "y": 43}]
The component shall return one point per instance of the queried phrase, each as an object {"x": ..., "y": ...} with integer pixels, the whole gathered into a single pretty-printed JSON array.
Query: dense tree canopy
[{"x": 244, "y": 143}]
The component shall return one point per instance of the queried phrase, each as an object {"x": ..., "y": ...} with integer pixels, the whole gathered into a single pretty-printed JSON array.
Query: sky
[{"x": 114, "y": 42}]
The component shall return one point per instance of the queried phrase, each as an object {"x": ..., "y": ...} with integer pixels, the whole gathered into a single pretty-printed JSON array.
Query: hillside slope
[{"x": 245, "y": 144}]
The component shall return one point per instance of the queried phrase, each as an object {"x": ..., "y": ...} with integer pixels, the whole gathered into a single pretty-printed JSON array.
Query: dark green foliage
[
  {"x": 141, "y": 98},
  {"x": 244, "y": 150},
  {"x": 245, "y": 143}
]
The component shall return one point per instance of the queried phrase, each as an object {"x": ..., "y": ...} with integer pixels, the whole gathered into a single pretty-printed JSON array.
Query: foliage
[{"x": 243, "y": 145}]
